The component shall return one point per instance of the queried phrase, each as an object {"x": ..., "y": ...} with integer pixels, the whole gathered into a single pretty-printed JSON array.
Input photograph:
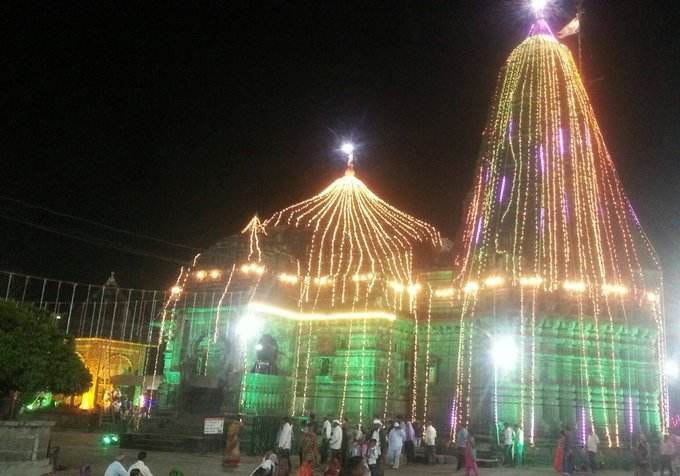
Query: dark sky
[{"x": 180, "y": 121}]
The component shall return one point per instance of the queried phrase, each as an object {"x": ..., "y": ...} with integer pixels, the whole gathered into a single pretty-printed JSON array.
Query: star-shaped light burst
[{"x": 356, "y": 238}]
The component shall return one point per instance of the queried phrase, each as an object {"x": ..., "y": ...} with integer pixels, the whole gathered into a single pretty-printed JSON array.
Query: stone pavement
[{"x": 77, "y": 449}]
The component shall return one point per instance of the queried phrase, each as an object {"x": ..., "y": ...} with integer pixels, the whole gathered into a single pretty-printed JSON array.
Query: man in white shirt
[
  {"x": 429, "y": 440},
  {"x": 325, "y": 438},
  {"x": 592, "y": 442},
  {"x": 140, "y": 465},
  {"x": 395, "y": 442},
  {"x": 335, "y": 442},
  {"x": 116, "y": 468},
  {"x": 508, "y": 441},
  {"x": 286, "y": 439}
]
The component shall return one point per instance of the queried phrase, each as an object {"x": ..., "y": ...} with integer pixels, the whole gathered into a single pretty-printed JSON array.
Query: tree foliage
[{"x": 35, "y": 355}]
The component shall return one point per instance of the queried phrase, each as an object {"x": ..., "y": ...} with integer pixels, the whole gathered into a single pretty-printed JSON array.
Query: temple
[{"x": 545, "y": 311}]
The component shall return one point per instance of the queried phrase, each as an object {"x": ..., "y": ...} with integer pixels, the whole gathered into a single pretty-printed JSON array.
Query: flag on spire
[{"x": 570, "y": 28}]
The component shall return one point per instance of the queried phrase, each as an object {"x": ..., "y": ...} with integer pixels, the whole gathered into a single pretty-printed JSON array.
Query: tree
[{"x": 36, "y": 356}]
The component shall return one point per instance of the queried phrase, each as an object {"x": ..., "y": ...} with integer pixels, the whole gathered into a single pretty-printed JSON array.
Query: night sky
[{"x": 179, "y": 121}]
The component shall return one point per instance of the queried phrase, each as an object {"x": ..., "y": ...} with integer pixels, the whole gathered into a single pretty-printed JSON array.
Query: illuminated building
[{"x": 551, "y": 313}]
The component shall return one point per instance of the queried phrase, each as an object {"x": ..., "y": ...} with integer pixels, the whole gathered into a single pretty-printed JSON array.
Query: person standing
[
  {"x": 308, "y": 450},
  {"x": 284, "y": 444},
  {"x": 568, "y": 462},
  {"x": 558, "y": 460},
  {"x": 395, "y": 442},
  {"x": 642, "y": 457},
  {"x": 667, "y": 454},
  {"x": 116, "y": 468},
  {"x": 232, "y": 451},
  {"x": 471, "y": 455},
  {"x": 519, "y": 445},
  {"x": 430, "y": 440},
  {"x": 373, "y": 456},
  {"x": 508, "y": 441},
  {"x": 325, "y": 438},
  {"x": 461, "y": 438},
  {"x": 335, "y": 442},
  {"x": 409, "y": 443},
  {"x": 140, "y": 465},
  {"x": 592, "y": 444},
  {"x": 418, "y": 431}
]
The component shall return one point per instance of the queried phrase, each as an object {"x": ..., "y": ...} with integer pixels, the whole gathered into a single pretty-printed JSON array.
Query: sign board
[{"x": 213, "y": 426}]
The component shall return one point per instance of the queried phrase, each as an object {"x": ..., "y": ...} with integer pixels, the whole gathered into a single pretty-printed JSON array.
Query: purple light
[
  {"x": 502, "y": 192},
  {"x": 479, "y": 230},
  {"x": 540, "y": 219},
  {"x": 566, "y": 205},
  {"x": 541, "y": 159},
  {"x": 510, "y": 128},
  {"x": 561, "y": 142},
  {"x": 486, "y": 174}
]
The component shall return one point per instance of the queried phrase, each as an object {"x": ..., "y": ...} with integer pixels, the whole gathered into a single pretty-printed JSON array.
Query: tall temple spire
[{"x": 548, "y": 215}]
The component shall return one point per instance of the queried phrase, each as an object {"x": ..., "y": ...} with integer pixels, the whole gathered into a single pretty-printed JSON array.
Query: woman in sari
[
  {"x": 470, "y": 455},
  {"x": 559, "y": 453},
  {"x": 308, "y": 446},
  {"x": 232, "y": 452}
]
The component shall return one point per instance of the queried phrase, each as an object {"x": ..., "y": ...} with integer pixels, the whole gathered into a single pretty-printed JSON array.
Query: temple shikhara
[{"x": 545, "y": 310}]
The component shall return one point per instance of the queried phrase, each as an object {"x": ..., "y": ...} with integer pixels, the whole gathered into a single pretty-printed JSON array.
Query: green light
[{"x": 110, "y": 439}]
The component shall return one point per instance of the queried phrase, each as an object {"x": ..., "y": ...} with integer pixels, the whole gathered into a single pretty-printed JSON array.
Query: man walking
[
  {"x": 460, "y": 446},
  {"x": 592, "y": 443},
  {"x": 429, "y": 440},
  {"x": 395, "y": 443}
]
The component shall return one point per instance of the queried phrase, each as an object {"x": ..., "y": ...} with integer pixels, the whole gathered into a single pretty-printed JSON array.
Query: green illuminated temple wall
[
  {"x": 320, "y": 364},
  {"x": 574, "y": 372}
]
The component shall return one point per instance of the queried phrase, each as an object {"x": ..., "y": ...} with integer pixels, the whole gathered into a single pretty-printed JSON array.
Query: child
[{"x": 373, "y": 456}]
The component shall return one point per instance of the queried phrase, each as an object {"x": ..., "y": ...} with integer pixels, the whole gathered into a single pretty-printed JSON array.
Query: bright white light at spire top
[
  {"x": 348, "y": 149},
  {"x": 538, "y": 6}
]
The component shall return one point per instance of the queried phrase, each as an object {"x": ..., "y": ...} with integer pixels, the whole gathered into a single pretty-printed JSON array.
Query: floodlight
[
  {"x": 671, "y": 369},
  {"x": 505, "y": 352},
  {"x": 248, "y": 326}
]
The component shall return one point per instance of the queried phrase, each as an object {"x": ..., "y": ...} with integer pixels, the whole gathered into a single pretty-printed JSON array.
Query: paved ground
[{"x": 77, "y": 449}]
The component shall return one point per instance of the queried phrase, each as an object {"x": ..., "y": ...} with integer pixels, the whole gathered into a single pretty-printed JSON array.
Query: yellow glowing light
[
  {"x": 201, "y": 275},
  {"x": 215, "y": 274},
  {"x": 176, "y": 290},
  {"x": 444, "y": 292},
  {"x": 413, "y": 288},
  {"x": 652, "y": 297},
  {"x": 471, "y": 287},
  {"x": 288, "y": 278},
  {"x": 493, "y": 281},
  {"x": 302, "y": 316},
  {"x": 252, "y": 268},
  {"x": 531, "y": 281},
  {"x": 574, "y": 286},
  {"x": 614, "y": 289},
  {"x": 397, "y": 286}
]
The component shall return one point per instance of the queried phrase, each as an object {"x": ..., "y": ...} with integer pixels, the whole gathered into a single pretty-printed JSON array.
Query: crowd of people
[
  {"x": 565, "y": 453},
  {"x": 342, "y": 449}
]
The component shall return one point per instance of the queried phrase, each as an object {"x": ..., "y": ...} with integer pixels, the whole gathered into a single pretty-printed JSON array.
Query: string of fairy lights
[{"x": 548, "y": 215}]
